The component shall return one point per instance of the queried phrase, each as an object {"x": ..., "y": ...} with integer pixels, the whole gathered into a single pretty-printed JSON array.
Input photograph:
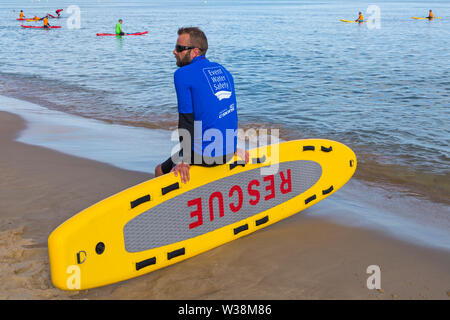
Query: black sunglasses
[{"x": 179, "y": 48}]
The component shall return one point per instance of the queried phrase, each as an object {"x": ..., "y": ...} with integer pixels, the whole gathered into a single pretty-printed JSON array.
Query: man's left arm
[{"x": 185, "y": 121}]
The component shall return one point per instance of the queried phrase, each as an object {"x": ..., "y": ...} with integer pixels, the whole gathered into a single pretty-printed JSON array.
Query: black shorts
[{"x": 168, "y": 165}]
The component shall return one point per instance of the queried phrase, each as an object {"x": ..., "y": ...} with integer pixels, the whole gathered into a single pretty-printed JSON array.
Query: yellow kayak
[
  {"x": 352, "y": 21},
  {"x": 425, "y": 18}
]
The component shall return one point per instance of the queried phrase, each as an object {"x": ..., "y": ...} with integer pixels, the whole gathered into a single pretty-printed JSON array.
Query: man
[
  {"x": 206, "y": 108},
  {"x": 58, "y": 12},
  {"x": 360, "y": 18},
  {"x": 21, "y": 16},
  {"x": 119, "y": 31},
  {"x": 430, "y": 15}
]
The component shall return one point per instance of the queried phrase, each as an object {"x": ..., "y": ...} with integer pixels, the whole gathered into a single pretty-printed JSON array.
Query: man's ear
[{"x": 197, "y": 52}]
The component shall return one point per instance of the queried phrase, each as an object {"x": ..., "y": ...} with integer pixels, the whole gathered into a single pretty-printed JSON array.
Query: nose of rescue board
[{"x": 163, "y": 221}]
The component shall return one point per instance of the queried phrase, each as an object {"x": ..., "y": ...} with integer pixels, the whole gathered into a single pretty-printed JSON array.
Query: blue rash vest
[{"x": 205, "y": 90}]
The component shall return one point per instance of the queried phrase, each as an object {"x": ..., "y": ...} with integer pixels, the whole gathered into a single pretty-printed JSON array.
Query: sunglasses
[{"x": 179, "y": 48}]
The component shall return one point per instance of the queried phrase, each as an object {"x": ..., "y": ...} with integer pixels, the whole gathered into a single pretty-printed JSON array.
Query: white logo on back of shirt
[{"x": 218, "y": 82}]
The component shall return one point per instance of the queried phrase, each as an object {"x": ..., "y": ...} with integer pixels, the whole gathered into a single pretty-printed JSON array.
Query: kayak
[
  {"x": 21, "y": 19},
  {"x": 352, "y": 21},
  {"x": 40, "y": 27},
  {"x": 425, "y": 18},
  {"x": 51, "y": 15},
  {"x": 127, "y": 34}
]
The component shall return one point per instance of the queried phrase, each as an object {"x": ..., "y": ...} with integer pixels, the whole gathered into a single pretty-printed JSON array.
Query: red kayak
[
  {"x": 51, "y": 15},
  {"x": 127, "y": 34},
  {"x": 40, "y": 27},
  {"x": 22, "y": 19}
]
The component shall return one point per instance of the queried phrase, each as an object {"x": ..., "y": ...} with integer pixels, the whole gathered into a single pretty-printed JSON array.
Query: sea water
[{"x": 383, "y": 89}]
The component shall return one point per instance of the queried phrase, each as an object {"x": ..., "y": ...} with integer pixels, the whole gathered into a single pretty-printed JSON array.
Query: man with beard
[{"x": 206, "y": 108}]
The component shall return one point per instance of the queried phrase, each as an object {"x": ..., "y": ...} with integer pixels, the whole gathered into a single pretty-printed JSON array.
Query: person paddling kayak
[
  {"x": 430, "y": 15},
  {"x": 21, "y": 15},
  {"x": 360, "y": 18},
  {"x": 119, "y": 31},
  {"x": 46, "y": 24},
  {"x": 58, "y": 11}
]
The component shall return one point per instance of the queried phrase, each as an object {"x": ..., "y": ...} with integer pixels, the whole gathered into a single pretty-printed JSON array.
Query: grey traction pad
[{"x": 169, "y": 221}]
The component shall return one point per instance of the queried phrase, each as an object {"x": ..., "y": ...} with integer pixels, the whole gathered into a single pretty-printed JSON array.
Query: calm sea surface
[{"x": 384, "y": 91}]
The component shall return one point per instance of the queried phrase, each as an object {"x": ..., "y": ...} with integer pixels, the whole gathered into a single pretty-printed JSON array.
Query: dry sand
[{"x": 301, "y": 257}]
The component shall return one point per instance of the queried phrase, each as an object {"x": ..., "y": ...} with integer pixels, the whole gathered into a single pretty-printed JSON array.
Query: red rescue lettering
[
  {"x": 254, "y": 193},
  {"x": 270, "y": 187},
  {"x": 197, "y": 213},
  {"x": 285, "y": 181},
  {"x": 233, "y": 207},
  {"x": 219, "y": 196},
  {"x": 235, "y": 204}
]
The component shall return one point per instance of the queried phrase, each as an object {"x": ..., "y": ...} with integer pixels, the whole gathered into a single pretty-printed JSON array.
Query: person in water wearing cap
[
  {"x": 360, "y": 18},
  {"x": 430, "y": 15},
  {"x": 36, "y": 18},
  {"x": 21, "y": 15},
  {"x": 58, "y": 11},
  {"x": 119, "y": 31}
]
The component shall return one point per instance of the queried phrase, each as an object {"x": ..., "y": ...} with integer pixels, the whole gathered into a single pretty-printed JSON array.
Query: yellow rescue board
[{"x": 163, "y": 221}]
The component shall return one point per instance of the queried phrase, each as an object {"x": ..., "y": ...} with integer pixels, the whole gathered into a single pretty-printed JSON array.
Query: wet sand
[{"x": 301, "y": 257}]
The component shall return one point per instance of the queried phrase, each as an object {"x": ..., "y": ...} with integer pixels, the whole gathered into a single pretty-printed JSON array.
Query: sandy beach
[{"x": 302, "y": 257}]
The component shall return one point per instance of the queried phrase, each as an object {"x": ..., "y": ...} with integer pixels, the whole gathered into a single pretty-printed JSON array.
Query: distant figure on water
[
  {"x": 21, "y": 15},
  {"x": 58, "y": 12},
  {"x": 46, "y": 24},
  {"x": 119, "y": 31},
  {"x": 430, "y": 15},
  {"x": 360, "y": 18}
]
